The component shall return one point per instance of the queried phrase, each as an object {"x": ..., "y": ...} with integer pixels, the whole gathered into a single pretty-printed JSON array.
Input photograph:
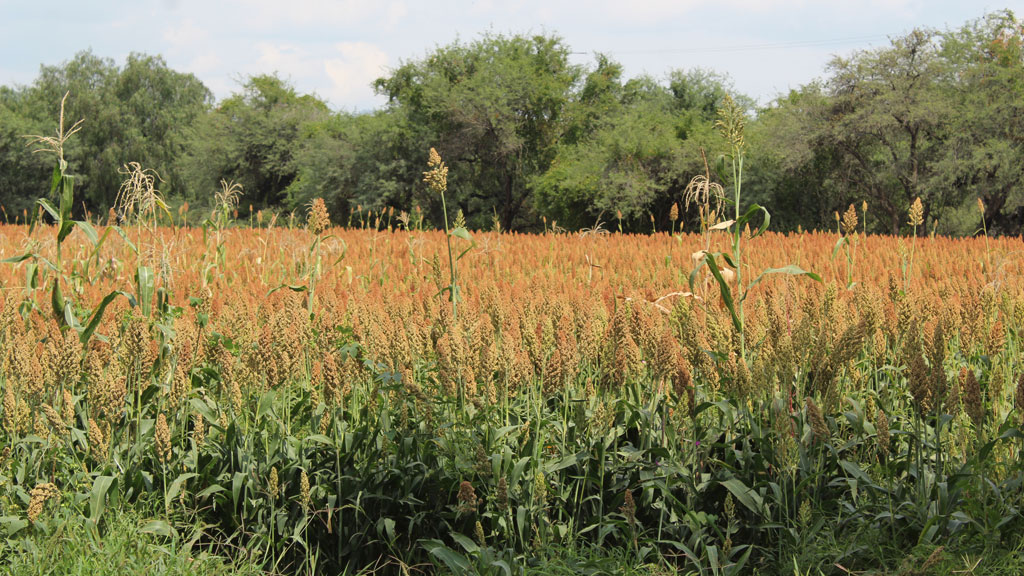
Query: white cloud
[
  {"x": 272, "y": 13},
  {"x": 357, "y": 65},
  {"x": 646, "y": 10},
  {"x": 204, "y": 63},
  {"x": 286, "y": 59},
  {"x": 185, "y": 35},
  {"x": 397, "y": 11},
  {"x": 655, "y": 11}
]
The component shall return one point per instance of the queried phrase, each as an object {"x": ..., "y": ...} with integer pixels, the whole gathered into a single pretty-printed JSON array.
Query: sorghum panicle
[
  {"x": 38, "y": 497},
  {"x": 817, "y": 421},
  {"x": 163, "y": 439}
]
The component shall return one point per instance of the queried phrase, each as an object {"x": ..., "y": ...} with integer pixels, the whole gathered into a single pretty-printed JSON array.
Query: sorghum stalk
[
  {"x": 916, "y": 218},
  {"x": 730, "y": 123},
  {"x": 437, "y": 179}
]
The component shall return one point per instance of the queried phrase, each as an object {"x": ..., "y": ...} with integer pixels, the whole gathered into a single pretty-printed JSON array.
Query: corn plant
[
  {"x": 64, "y": 311},
  {"x": 731, "y": 125}
]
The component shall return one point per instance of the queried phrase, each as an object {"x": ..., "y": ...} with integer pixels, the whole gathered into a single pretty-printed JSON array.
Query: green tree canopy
[
  {"x": 140, "y": 112},
  {"x": 932, "y": 115},
  {"x": 253, "y": 138},
  {"x": 632, "y": 148},
  {"x": 493, "y": 109},
  {"x": 984, "y": 157}
]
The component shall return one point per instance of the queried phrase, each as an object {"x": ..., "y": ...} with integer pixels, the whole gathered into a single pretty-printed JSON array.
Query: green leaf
[
  {"x": 144, "y": 283},
  {"x": 210, "y": 490},
  {"x": 49, "y": 209},
  {"x": 321, "y": 439},
  {"x": 97, "y": 315},
  {"x": 98, "y": 496},
  {"x": 839, "y": 244},
  {"x": 517, "y": 470},
  {"x": 157, "y": 527},
  {"x": 175, "y": 488},
  {"x": 57, "y": 302},
  {"x": 160, "y": 203},
  {"x": 55, "y": 181},
  {"x": 69, "y": 317},
  {"x": 16, "y": 259},
  {"x": 204, "y": 409},
  {"x": 464, "y": 541},
  {"x": 455, "y": 562},
  {"x": 466, "y": 251},
  {"x": 13, "y": 524},
  {"x": 792, "y": 269},
  {"x": 562, "y": 464},
  {"x": 95, "y": 255},
  {"x": 693, "y": 275},
  {"x": 32, "y": 275},
  {"x": 66, "y": 201},
  {"x": 746, "y": 496},
  {"x": 292, "y": 287},
  {"x": 389, "y": 528},
  {"x": 737, "y": 567},
  {"x": 67, "y": 197},
  {"x": 89, "y": 231},
  {"x": 749, "y": 215},
  {"x": 857, "y": 472},
  {"x": 237, "y": 484},
  {"x": 461, "y": 232},
  {"x": 764, "y": 224},
  {"x": 266, "y": 403},
  {"x": 726, "y": 292},
  {"x": 124, "y": 236}
]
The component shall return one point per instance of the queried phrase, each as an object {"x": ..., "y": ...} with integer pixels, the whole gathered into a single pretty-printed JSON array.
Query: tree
[
  {"x": 632, "y": 148},
  {"x": 157, "y": 108},
  {"x": 935, "y": 116},
  {"x": 136, "y": 114},
  {"x": 701, "y": 91},
  {"x": 252, "y": 138},
  {"x": 493, "y": 109},
  {"x": 793, "y": 168},
  {"x": 23, "y": 176},
  {"x": 388, "y": 165},
  {"x": 888, "y": 116},
  {"x": 985, "y": 155}
]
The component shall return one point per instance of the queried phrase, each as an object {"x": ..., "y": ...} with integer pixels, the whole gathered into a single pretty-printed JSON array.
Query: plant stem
[
  {"x": 453, "y": 287},
  {"x": 737, "y": 175}
]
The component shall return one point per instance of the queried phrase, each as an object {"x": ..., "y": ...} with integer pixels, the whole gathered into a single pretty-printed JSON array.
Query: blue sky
[{"x": 336, "y": 48}]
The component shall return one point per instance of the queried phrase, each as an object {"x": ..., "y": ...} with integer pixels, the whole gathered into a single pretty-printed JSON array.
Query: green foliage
[
  {"x": 130, "y": 543},
  {"x": 18, "y": 190},
  {"x": 631, "y": 149},
  {"x": 933, "y": 115},
  {"x": 493, "y": 107},
  {"x": 140, "y": 112},
  {"x": 721, "y": 487},
  {"x": 253, "y": 138},
  {"x": 985, "y": 157}
]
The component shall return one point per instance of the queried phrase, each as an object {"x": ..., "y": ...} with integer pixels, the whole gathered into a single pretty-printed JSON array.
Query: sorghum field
[{"x": 309, "y": 400}]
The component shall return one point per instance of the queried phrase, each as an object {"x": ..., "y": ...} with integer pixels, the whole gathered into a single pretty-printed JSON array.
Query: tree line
[{"x": 534, "y": 141}]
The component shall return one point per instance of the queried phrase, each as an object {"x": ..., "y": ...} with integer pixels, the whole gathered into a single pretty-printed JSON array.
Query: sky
[{"x": 336, "y": 48}]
